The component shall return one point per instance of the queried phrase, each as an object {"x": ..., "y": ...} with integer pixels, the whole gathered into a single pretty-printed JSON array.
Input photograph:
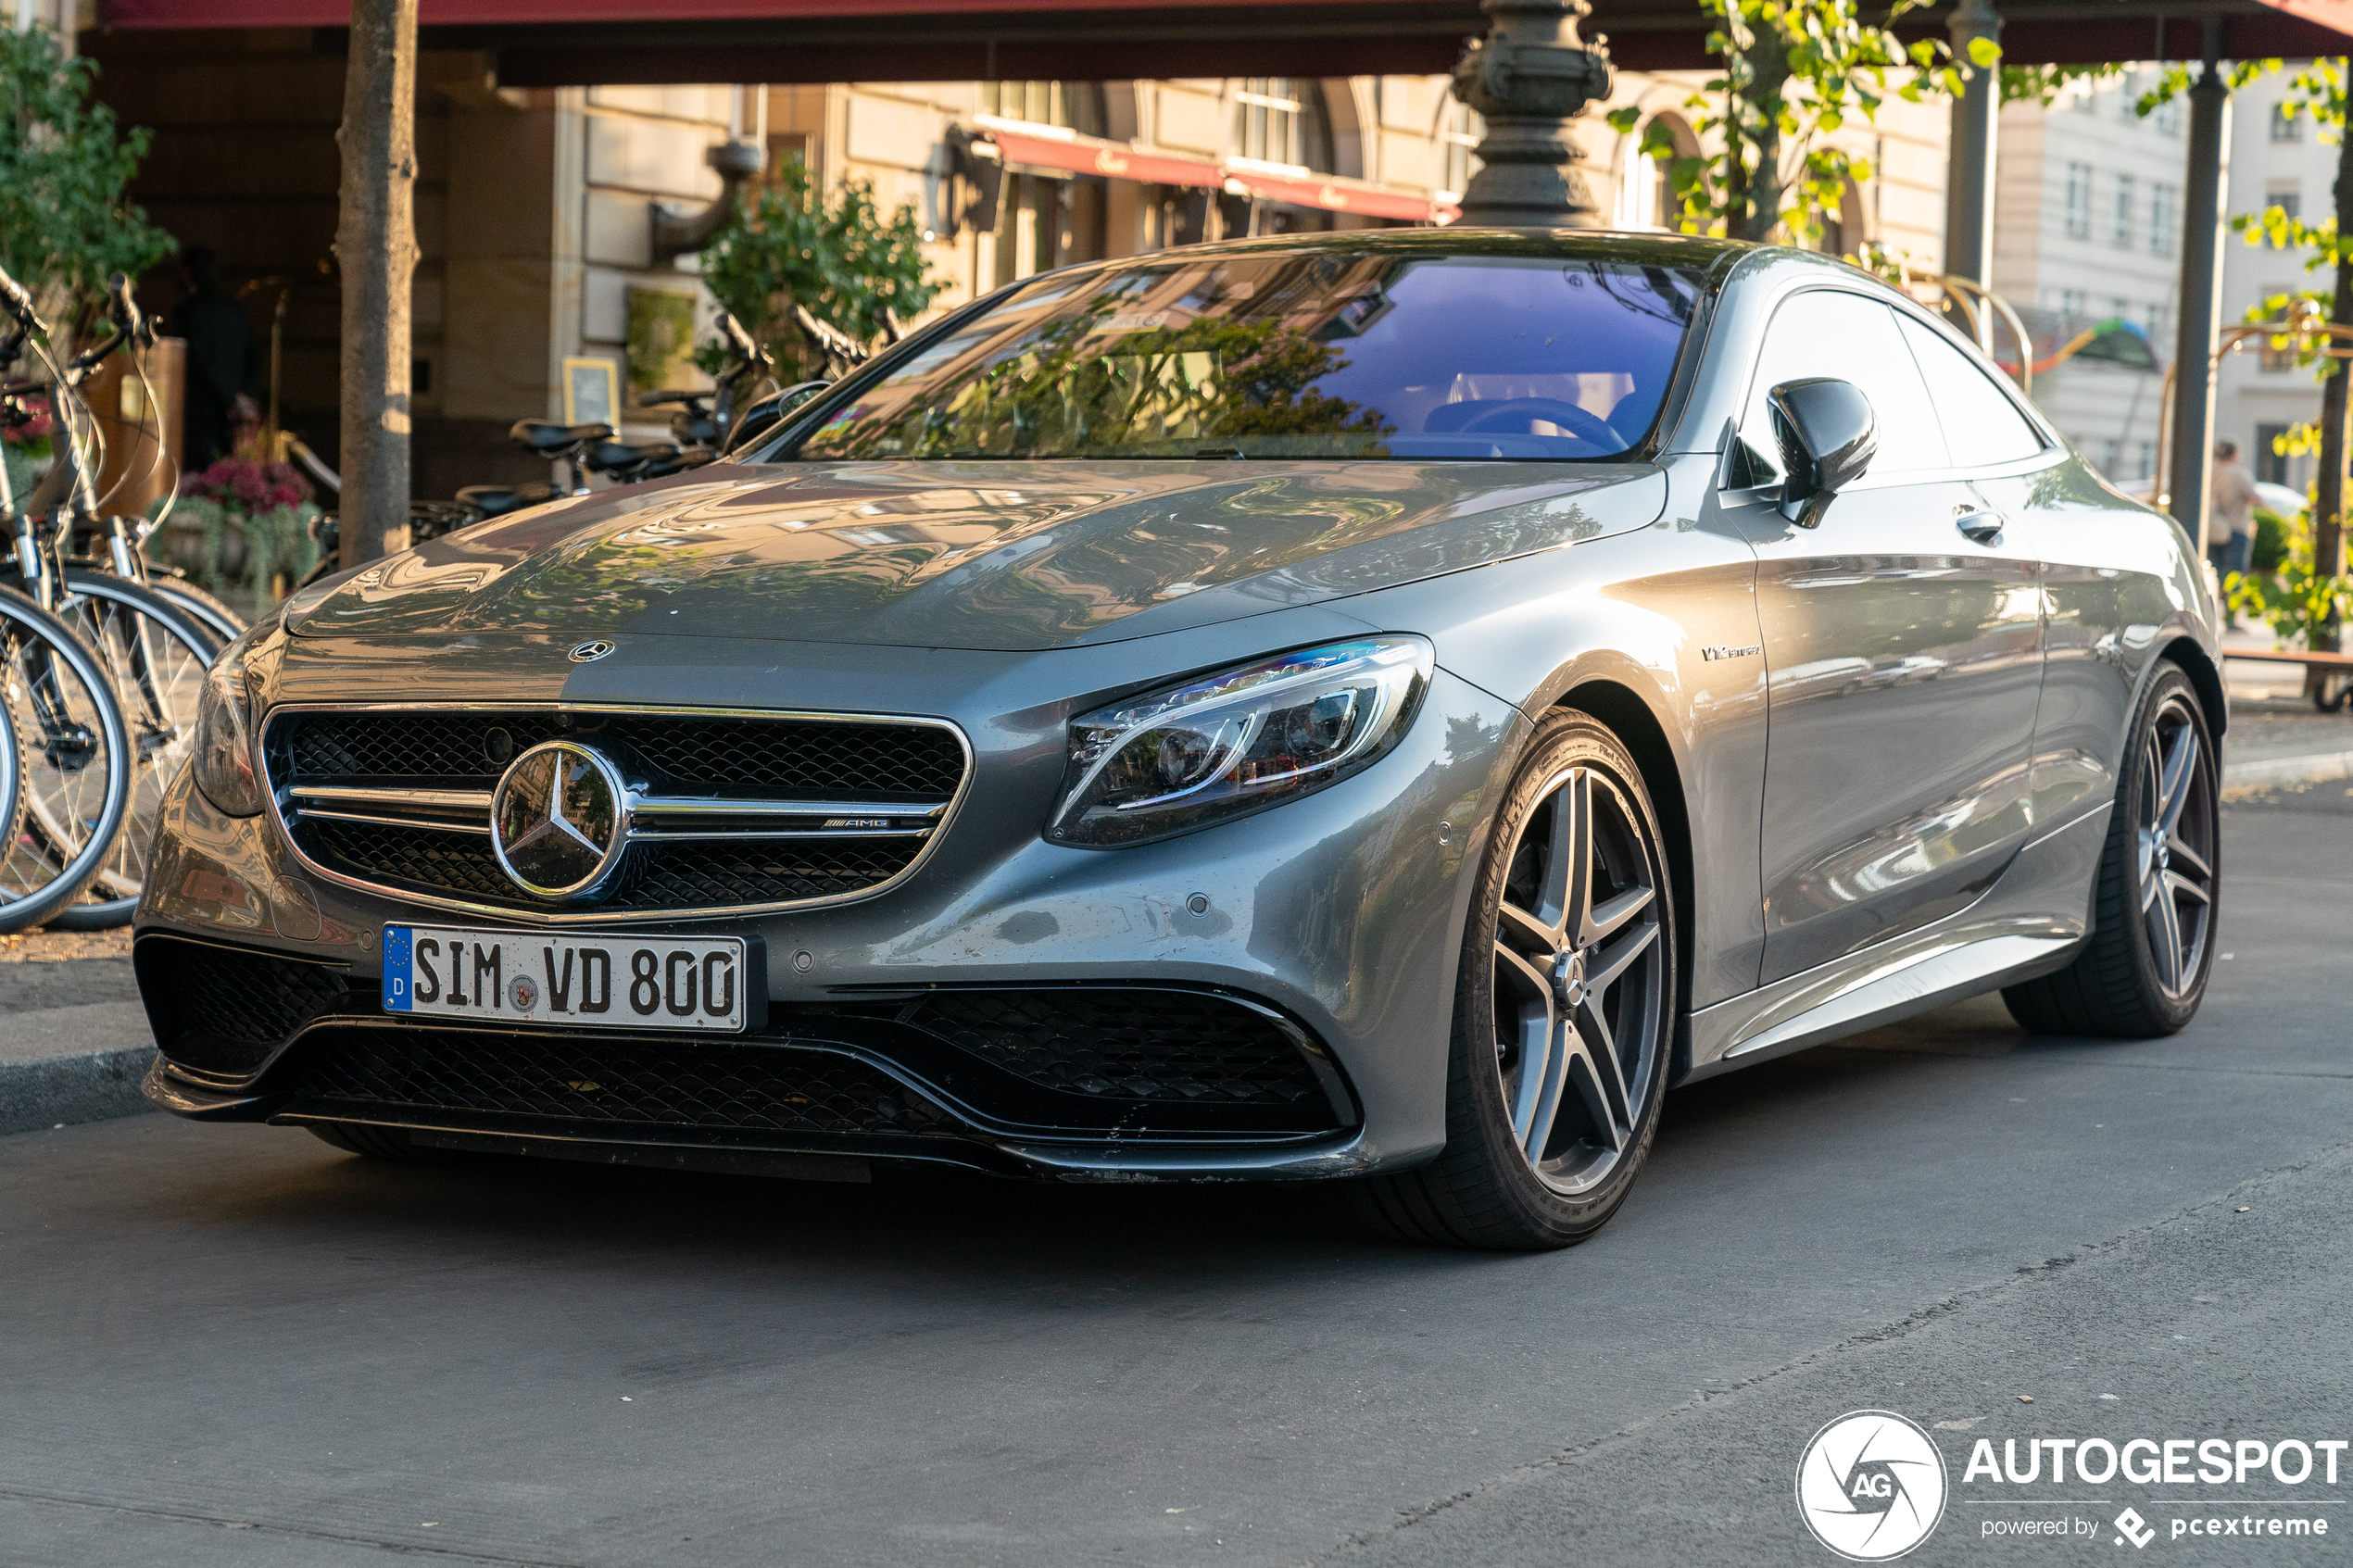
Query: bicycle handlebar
[
  {"x": 123, "y": 311},
  {"x": 19, "y": 303}
]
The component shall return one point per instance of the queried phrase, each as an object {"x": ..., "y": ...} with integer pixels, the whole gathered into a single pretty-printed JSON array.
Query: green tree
[
  {"x": 854, "y": 270},
  {"x": 1794, "y": 72},
  {"x": 64, "y": 225},
  {"x": 2319, "y": 585}
]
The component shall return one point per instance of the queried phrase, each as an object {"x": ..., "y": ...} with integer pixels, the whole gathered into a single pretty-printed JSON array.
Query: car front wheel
[{"x": 1564, "y": 1010}]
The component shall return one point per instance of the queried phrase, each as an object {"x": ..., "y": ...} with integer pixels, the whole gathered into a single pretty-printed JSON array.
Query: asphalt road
[{"x": 236, "y": 1346}]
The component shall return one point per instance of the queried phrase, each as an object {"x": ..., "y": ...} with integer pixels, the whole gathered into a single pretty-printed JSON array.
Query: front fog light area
[{"x": 1239, "y": 741}]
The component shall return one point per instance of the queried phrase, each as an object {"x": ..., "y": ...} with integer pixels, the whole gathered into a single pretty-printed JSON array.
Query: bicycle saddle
[
  {"x": 552, "y": 439},
  {"x": 495, "y": 500},
  {"x": 613, "y": 457}
]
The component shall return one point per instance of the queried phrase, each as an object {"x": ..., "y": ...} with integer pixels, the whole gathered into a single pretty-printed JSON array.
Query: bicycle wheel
[
  {"x": 225, "y": 624},
  {"x": 75, "y": 756},
  {"x": 158, "y": 655}
]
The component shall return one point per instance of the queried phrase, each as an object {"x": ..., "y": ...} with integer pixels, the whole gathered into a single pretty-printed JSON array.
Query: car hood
[{"x": 1003, "y": 555}]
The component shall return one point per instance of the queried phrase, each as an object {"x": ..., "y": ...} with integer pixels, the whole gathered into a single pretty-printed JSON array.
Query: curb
[
  {"x": 89, "y": 1087},
  {"x": 2317, "y": 768}
]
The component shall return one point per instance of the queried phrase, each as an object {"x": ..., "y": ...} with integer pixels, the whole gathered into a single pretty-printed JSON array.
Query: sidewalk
[
  {"x": 73, "y": 1038},
  {"x": 2277, "y": 737}
]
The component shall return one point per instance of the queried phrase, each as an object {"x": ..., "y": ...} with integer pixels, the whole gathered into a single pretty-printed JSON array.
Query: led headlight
[
  {"x": 1238, "y": 741},
  {"x": 222, "y": 755}
]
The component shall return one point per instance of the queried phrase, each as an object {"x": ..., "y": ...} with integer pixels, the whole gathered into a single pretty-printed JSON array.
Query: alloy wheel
[
  {"x": 1579, "y": 993},
  {"x": 2175, "y": 840}
]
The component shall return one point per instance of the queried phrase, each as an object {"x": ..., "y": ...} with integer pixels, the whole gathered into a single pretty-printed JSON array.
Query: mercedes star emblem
[
  {"x": 589, "y": 652},
  {"x": 557, "y": 822}
]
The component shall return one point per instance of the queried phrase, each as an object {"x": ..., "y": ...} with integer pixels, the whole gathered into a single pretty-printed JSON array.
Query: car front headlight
[
  {"x": 1239, "y": 741},
  {"x": 223, "y": 756}
]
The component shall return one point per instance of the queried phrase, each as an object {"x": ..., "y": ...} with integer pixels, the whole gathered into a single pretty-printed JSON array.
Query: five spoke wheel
[
  {"x": 1579, "y": 990},
  {"x": 2175, "y": 839}
]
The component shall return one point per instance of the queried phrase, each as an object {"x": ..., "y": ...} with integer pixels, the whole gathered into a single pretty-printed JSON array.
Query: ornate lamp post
[{"x": 1529, "y": 77}]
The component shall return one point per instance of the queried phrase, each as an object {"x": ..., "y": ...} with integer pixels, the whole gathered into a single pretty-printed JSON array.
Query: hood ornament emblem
[
  {"x": 590, "y": 651},
  {"x": 559, "y": 820}
]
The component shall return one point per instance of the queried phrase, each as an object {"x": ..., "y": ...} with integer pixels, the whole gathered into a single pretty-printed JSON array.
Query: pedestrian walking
[{"x": 2231, "y": 536}]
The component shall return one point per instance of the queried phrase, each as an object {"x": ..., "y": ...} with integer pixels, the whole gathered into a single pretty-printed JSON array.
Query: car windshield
[{"x": 1290, "y": 354}]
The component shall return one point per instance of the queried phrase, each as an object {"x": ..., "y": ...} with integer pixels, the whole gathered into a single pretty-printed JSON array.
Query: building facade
[
  {"x": 2277, "y": 159},
  {"x": 2088, "y": 230}
]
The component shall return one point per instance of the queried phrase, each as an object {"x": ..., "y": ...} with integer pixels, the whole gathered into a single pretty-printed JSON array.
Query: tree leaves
[
  {"x": 64, "y": 225},
  {"x": 839, "y": 256}
]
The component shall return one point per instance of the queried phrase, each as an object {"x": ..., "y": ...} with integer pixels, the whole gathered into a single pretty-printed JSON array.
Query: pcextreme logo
[{"x": 1871, "y": 1486}]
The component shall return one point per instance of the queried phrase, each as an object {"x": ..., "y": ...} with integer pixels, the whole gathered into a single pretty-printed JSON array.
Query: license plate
[{"x": 584, "y": 982}]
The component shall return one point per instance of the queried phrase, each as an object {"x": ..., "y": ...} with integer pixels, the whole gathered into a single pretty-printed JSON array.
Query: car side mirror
[{"x": 1828, "y": 437}]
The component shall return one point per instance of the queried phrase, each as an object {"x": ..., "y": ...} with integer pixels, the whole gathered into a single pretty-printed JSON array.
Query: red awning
[
  {"x": 1086, "y": 156},
  {"x": 1331, "y": 196}
]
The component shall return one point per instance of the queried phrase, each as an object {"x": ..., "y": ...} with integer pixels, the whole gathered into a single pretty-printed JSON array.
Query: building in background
[
  {"x": 534, "y": 207},
  {"x": 2088, "y": 230},
  {"x": 2277, "y": 160}
]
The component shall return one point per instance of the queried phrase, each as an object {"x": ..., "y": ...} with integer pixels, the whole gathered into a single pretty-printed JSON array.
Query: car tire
[
  {"x": 2143, "y": 971},
  {"x": 1541, "y": 1059},
  {"x": 391, "y": 1145}
]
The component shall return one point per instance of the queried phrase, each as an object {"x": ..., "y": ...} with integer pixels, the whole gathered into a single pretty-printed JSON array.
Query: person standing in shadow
[{"x": 224, "y": 361}]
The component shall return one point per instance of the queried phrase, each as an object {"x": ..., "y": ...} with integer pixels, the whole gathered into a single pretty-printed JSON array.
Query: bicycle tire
[
  {"x": 27, "y": 629},
  {"x": 225, "y": 624},
  {"x": 11, "y": 782},
  {"x": 158, "y": 668}
]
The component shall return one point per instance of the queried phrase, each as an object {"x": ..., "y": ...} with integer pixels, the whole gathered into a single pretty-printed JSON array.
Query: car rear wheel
[
  {"x": 1564, "y": 1010},
  {"x": 2143, "y": 971}
]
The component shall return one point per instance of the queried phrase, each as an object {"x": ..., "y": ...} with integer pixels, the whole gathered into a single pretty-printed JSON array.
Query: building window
[
  {"x": 2148, "y": 467},
  {"x": 2271, "y": 465},
  {"x": 2120, "y": 225},
  {"x": 1462, "y": 130},
  {"x": 2079, "y": 201},
  {"x": 1078, "y": 104},
  {"x": 2164, "y": 202},
  {"x": 2268, "y": 357},
  {"x": 2286, "y": 127},
  {"x": 2288, "y": 198},
  {"x": 2117, "y": 307},
  {"x": 2153, "y": 321},
  {"x": 2070, "y": 302},
  {"x": 1280, "y": 121}
]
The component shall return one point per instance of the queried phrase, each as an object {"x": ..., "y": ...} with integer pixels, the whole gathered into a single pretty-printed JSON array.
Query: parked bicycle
[{"x": 131, "y": 692}]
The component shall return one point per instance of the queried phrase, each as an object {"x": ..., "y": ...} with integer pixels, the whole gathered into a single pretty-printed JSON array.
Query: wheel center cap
[{"x": 1568, "y": 978}]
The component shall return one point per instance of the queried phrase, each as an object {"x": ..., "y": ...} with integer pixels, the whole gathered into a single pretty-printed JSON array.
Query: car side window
[
  {"x": 1981, "y": 424},
  {"x": 1830, "y": 333}
]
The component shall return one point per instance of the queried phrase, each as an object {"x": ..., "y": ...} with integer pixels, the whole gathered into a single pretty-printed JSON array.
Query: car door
[{"x": 1903, "y": 643}]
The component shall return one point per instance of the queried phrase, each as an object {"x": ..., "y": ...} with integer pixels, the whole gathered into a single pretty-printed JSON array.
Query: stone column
[
  {"x": 2190, "y": 467},
  {"x": 1529, "y": 77}
]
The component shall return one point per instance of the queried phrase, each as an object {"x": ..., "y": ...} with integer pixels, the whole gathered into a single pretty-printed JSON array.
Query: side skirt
[{"x": 2010, "y": 934}]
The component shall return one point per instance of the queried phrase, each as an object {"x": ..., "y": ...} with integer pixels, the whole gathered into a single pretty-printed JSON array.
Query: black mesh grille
[
  {"x": 899, "y": 761},
  {"x": 687, "y": 755},
  {"x": 1129, "y": 1045},
  {"x": 618, "y": 1082},
  {"x": 702, "y": 873},
  {"x": 223, "y": 1011}
]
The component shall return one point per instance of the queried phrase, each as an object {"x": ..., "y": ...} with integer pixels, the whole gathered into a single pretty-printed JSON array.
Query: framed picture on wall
[{"x": 592, "y": 393}]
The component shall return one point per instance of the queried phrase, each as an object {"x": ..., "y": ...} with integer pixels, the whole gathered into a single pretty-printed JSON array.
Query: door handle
[{"x": 1984, "y": 527}]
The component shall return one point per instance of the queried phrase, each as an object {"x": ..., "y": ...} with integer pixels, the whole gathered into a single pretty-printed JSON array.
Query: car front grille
[
  {"x": 221, "y": 1011},
  {"x": 735, "y": 810},
  {"x": 696, "y": 1084}
]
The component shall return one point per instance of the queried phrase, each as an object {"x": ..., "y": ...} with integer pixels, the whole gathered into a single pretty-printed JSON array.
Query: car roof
[{"x": 1639, "y": 248}]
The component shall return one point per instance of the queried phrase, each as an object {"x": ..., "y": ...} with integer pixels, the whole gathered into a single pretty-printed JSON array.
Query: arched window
[
  {"x": 1460, "y": 130},
  {"x": 1645, "y": 184},
  {"x": 1078, "y": 104},
  {"x": 1280, "y": 121}
]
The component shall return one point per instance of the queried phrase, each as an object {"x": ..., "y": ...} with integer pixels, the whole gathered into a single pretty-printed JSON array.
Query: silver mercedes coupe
[{"x": 1382, "y": 706}]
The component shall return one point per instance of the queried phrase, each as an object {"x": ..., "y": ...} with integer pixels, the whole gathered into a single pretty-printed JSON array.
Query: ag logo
[{"x": 1870, "y": 1486}]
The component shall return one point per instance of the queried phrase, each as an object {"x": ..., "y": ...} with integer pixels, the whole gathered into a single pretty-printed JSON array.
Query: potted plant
[{"x": 242, "y": 526}]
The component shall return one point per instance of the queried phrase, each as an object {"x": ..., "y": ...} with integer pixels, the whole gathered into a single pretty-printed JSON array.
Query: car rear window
[{"x": 1308, "y": 353}]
